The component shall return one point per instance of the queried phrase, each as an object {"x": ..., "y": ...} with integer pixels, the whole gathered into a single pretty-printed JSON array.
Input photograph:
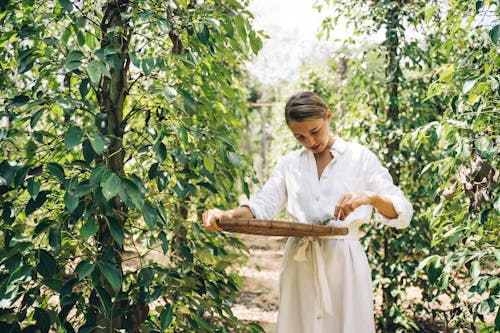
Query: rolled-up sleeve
[
  {"x": 271, "y": 198},
  {"x": 380, "y": 181}
]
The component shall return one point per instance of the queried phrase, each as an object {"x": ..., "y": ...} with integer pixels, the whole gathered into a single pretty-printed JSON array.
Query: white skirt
[{"x": 325, "y": 287}]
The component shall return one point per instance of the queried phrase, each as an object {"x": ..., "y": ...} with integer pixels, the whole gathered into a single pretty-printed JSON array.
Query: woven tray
[{"x": 278, "y": 228}]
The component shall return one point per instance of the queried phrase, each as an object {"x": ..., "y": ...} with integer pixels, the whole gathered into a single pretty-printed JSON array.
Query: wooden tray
[{"x": 278, "y": 228}]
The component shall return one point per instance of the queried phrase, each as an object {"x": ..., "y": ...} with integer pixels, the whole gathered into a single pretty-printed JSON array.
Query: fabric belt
[{"x": 320, "y": 280}]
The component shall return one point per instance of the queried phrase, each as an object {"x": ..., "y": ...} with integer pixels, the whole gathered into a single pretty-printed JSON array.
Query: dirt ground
[{"x": 258, "y": 299}]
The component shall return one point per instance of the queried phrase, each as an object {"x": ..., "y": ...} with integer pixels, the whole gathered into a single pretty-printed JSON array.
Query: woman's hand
[
  {"x": 350, "y": 201},
  {"x": 211, "y": 216}
]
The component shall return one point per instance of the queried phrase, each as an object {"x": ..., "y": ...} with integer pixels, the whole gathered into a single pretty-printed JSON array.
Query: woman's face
[{"x": 313, "y": 134}]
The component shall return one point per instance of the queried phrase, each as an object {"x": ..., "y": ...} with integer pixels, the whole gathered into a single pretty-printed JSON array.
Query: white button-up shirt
[{"x": 294, "y": 183}]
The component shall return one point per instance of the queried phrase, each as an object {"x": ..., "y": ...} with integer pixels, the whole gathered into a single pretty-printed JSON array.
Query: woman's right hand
[{"x": 211, "y": 216}]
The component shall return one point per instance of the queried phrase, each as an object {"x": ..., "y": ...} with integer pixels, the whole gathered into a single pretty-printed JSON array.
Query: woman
[{"x": 325, "y": 282}]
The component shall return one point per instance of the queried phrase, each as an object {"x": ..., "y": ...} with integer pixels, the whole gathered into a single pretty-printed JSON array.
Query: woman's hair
[{"x": 305, "y": 105}]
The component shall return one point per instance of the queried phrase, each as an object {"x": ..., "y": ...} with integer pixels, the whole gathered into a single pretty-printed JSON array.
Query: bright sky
[{"x": 292, "y": 26}]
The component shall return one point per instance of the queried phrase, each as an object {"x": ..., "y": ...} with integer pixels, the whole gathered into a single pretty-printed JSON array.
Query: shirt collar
[{"x": 339, "y": 146}]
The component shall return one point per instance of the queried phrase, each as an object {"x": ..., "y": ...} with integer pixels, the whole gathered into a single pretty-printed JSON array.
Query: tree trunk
[
  {"x": 393, "y": 74},
  {"x": 111, "y": 95}
]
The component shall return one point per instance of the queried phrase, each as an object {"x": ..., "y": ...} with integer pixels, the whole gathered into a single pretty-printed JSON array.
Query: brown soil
[{"x": 258, "y": 299}]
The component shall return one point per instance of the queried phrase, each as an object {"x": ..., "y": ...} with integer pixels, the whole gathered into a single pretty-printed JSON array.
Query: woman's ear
[{"x": 328, "y": 115}]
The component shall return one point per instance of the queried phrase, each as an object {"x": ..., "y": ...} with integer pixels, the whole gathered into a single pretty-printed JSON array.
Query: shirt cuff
[
  {"x": 252, "y": 209},
  {"x": 403, "y": 209}
]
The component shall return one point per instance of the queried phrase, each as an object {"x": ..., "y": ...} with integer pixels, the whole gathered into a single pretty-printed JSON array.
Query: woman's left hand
[{"x": 350, "y": 201}]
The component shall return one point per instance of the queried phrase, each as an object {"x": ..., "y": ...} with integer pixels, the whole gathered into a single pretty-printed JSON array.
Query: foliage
[
  {"x": 118, "y": 127},
  {"x": 465, "y": 216},
  {"x": 447, "y": 101}
]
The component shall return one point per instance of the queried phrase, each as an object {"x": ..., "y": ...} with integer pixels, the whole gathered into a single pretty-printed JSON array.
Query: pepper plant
[{"x": 118, "y": 127}]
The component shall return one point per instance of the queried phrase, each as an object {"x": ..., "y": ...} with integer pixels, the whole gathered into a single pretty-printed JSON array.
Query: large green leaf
[
  {"x": 111, "y": 273},
  {"x": 494, "y": 33},
  {"x": 110, "y": 184},
  {"x": 57, "y": 171},
  {"x": 42, "y": 320},
  {"x": 95, "y": 70},
  {"x": 150, "y": 214},
  {"x": 166, "y": 316},
  {"x": 98, "y": 143},
  {"x": 73, "y": 137},
  {"x": 34, "y": 205},
  {"x": 117, "y": 231},
  {"x": 47, "y": 264},
  {"x": 89, "y": 228},
  {"x": 70, "y": 201},
  {"x": 84, "y": 268}
]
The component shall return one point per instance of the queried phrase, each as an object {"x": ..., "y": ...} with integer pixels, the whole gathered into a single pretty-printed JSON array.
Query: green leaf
[
  {"x": 475, "y": 269},
  {"x": 209, "y": 164},
  {"x": 240, "y": 26},
  {"x": 94, "y": 72},
  {"x": 67, "y": 5},
  {"x": 33, "y": 205},
  {"x": 150, "y": 214},
  {"x": 96, "y": 175},
  {"x": 88, "y": 152},
  {"x": 486, "y": 147},
  {"x": 117, "y": 231},
  {"x": 34, "y": 187},
  {"x": 55, "y": 237},
  {"x": 84, "y": 268},
  {"x": 110, "y": 184},
  {"x": 468, "y": 85},
  {"x": 160, "y": 150},
  {"x": 35, "y": 118},
  {"x": 98, "y": 143},
  {"x": 47, "y": 264},
  {"x": 497, "y": 319},
  {"x": 73, "y": 60},
  {"x": 188, "y": 99},
  {"x": 70, "y": 201},
  {"x": 101, "y": 122},
  {"x": 166, "y": 316},
  {"x": 147, "y": 65},
  {"x": 95, "y": 69},
  {"x": 145, "y": 277},
  {"x": 89, "y": 228},
  {"x": 204, "y": 35},
  {"x": 43, "y": 225},
  {"x": 42, "y": 320},
  {"x": 57, "y": 171},
  {"x": 164, "y": 242},
  {"x": 112, "y": 274},
  {"x": 447, "y": 73},
  {"x": 234, "y": 158},
  {"x": 84, "y": 88},
  {"x": 105, "y": 301},
  {"x": 133, "y": 192},
  {"x": 255, "y": 43},
  {"x": 494, "y": 32}
]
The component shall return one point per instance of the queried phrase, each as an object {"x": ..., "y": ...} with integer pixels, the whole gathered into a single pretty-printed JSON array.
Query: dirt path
[{"x": 258, "y": 299}]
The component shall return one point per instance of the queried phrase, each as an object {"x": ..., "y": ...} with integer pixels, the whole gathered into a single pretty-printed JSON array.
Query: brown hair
[{"x": 305, "y": 105}]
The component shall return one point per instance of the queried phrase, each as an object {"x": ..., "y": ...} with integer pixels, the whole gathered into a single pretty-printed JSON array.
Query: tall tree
[{"x": 118, "y": 118}]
